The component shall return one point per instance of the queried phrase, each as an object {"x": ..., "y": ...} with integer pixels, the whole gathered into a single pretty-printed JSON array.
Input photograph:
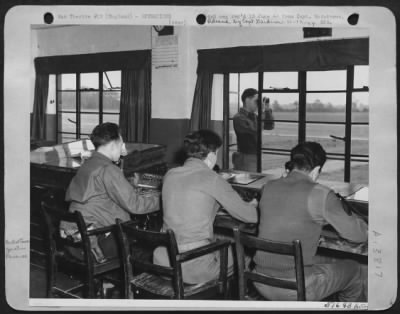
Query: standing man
[{"x": 245, "y": 125}]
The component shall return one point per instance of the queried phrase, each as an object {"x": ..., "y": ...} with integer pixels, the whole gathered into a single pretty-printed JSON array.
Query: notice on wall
[{"x": 165, "y": 52}]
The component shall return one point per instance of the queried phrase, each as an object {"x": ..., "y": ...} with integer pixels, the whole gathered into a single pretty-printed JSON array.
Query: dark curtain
[
  {"x": 306, "y": 56},
  {"x": 38, "y": 125},
  {"x": 135, "y": 110},
  {"x": 201, "y": 108}
]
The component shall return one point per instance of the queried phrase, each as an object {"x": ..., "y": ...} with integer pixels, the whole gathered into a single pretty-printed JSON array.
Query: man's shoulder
[{"x": 240, "y": 116}]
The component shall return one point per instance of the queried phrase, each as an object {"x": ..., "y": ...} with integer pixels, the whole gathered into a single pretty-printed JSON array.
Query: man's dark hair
[
  {"x": 249, "y": 92},
  {"x": 104, "y": 133},
  {"x": 199, "y": 144},
  {"x": 306, "y": 156}
]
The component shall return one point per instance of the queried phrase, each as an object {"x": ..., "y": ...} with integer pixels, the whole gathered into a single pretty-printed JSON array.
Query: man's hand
[
  {"x": 265, "y": 103},
  {"x": 254, "y": 202},
  {"x": 135, "y": 180}
]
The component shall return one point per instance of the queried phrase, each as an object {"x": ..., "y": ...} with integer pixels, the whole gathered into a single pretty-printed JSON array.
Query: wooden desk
[{"x": 55, "y": 166}]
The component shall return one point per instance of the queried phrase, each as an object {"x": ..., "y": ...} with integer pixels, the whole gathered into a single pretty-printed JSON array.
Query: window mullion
[
  {"x": 259, "y": 124},
  {"x": 302, "y": 80},
  {"x": 347, "y": 147},
  {"x": 100, "y": 97},
  {"x": 226, "y": 89},
  {"x": 78, "y": 105},
  {"x": 57, "y": 109}
]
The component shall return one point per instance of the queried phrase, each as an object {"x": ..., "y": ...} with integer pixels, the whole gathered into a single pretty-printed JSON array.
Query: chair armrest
[
  {"x": 203, "y": 250},
  {"x": 101, "y": 230}
]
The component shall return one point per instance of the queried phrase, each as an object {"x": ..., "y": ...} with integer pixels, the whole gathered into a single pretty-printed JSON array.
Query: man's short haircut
[
  {"x": 104, "y": 133},
  {"x": 199, "y": 144},
  {"x": 249, "y": 92}
]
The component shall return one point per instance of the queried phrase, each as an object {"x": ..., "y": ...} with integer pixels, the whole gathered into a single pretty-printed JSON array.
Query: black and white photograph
[{"x": 229, "y": 158}]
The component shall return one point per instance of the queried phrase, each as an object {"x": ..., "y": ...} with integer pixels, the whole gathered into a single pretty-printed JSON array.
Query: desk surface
[{"x": 344, "y": 188}]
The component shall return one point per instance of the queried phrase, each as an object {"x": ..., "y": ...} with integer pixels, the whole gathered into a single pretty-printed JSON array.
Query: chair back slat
[
  {"x": 294, "y": 249},
  {"x": 153, "y": 268},
  {"x": 271, "y": 281},
  {"x": 281, "y": 248},
  {"x": 150, "y": 237}
]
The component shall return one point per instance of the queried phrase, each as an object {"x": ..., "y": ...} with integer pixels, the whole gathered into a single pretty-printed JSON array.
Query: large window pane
[
  {"x": 326, "y": 107},
  {"x": 89, "y": 81},
  {"x": 66, "y": 100},
  {"x": 112, "y": 80},
  {"x": 359, "y": 139},
  {"x": 111, "y": 101},
  {"x": 333, "y": 170},
  {"x": 361, "y": 76},
  {"x": 234, "y": 104},
  {"x": 114, "y": 118},
  {"x": 67, "y": 122},
  {"x": 359, "y": 172},
  {"x": 327, "y": 135},
  {"x": 280, "y": 80},
  {"x": 88, "y": 122},
  {"x": 67, "y": 82},
  {"x": 326, "y": 80},
  {"x": 234, "y": 97},
  {"x": 90, "y": 101},
  {"x": 247, "y": 80},
  {"x": 65, "y": 138},
  {"x": 274, "y": 164},
  {"x": 283, "y": 136},
  {"x": 360, "y": 107},
  {"x": 284, "y": 106}
]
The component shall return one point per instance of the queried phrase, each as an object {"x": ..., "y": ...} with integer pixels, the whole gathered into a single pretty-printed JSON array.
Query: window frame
[
  {"x": 302, "y": 122},
  {"x": 78, "y": 112}
]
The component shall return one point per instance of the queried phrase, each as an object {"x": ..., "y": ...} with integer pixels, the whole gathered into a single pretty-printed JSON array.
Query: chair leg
[
  {"x": 51, "y": 277},
  {"x": 101, "y": 282},
  {"x": 90, "y": 286}
]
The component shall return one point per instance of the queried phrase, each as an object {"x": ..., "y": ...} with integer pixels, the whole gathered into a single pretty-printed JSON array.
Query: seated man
[
  {"x": 192, "y": 195},
  {"x": 295, "y": 207},
  {"x": 100, "y": 190}
]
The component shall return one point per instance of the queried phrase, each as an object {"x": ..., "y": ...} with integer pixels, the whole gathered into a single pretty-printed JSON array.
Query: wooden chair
[
  {"x": 157, "y": 281},
  {"x": 87, "y": 270},
  {"x": 243, "y": 240}
]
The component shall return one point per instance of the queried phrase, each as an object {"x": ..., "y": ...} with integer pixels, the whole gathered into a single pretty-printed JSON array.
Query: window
[
  {"x": 329, "y": 107},
  {"x": 84, "y": 100}
]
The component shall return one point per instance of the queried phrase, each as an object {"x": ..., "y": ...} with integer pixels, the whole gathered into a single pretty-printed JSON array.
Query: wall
[{"x": 172, "y": 88}]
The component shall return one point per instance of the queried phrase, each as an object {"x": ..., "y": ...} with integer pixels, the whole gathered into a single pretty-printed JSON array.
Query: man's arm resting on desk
[
  {"x": 232, "y": 203},
  {"x": 122, "y": 193},
  {"x": 351, "y": 227}
]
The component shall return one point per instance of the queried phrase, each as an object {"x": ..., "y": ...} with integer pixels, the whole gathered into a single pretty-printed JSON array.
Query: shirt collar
[
  {"x": 196, "y": 162},
  {"x": 98, "y": 155},
  {"x": 299, "y": 175}
]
